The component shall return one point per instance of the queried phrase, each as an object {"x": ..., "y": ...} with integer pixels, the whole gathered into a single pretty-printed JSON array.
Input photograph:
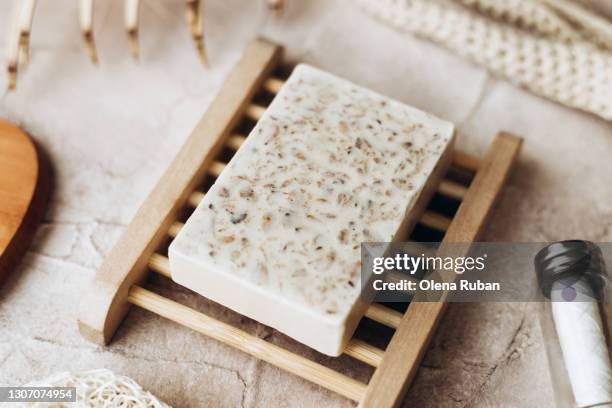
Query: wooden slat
[
  {"x": 105, "y": 304},
  {"x": 364, "y": 352},
  {"x": 435, "y": 221},
  {"x": 259, "y": 348},
  {"x": 400, "y": 363},
  {"x": 235, "y": 141},
  {"x": 384, "y": 315},
  {"x": 356, "y": 348},
  {"x": 273, "y": 85},
  {"x": 451, "y": 189},
  {"x": 216, "y": 168},
  {"x": 174, "y": 229},
  {"x": 160, "y": 264},
  {"x": 195, "y": 198},
  {"x": 466, "y": 161},
  {"x": 255, "y": 112}
]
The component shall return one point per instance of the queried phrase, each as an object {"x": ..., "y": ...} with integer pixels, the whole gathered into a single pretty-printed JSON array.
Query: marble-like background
[{"x": 111, "y": 130}]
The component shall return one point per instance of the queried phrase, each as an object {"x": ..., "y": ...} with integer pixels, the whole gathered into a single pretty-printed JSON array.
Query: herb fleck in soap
[{"x": 328, "y": 166}]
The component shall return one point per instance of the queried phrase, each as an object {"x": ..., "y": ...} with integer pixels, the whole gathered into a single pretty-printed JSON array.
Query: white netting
[
  {"x": 551, "y": 47},
  {"x": 97, "y": 389}
]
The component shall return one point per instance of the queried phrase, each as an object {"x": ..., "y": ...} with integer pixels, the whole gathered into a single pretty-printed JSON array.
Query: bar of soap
[{"x": 328, "y": 166}]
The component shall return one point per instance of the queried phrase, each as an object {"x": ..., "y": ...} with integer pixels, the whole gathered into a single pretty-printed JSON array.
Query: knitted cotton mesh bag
[
  {"x": 97, "y": 389},
  {"x": 553, "y": 48}
]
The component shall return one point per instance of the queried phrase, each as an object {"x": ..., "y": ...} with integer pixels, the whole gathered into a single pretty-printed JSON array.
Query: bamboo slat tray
[{"x": 457, "y": 213}]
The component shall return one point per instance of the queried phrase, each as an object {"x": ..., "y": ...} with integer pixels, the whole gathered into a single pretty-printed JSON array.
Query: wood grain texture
[
  {"x": 384, "y": 315},
  {"x": 105, "y": 304},
  {"x": 399, "y": 365},
  {"x": 116, "y": 285},
  {"x": 268, "y": 352},
  {"x": 24, "y": 190}
]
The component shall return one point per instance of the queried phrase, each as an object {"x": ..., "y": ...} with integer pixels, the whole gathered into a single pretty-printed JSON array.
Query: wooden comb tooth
[
  {"x": 12, "y": 60},
  {"x": 26, "y": 15},
  {"x": 196, "y": 27},
  {"x": 19, "y": 40},
  {"x": 132, "y": 11},
  {"x": 276, "y": 6},
  {"x": 13, "y": 47},
  {"x": 86, "y": 13}
]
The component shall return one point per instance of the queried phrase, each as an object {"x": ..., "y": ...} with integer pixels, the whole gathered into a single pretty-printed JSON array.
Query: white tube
[{"x": 585, "y": 353}]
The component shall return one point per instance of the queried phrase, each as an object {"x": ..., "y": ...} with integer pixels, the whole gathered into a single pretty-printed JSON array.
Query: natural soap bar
[{"x": 328, "y": 166}]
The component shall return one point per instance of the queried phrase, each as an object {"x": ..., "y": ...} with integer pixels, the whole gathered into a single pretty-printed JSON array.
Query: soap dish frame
[{"x": 119, "y": 283}]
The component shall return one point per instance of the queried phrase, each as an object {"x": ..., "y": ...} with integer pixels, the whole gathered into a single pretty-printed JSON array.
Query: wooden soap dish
[{"x": 457, "y": 213}]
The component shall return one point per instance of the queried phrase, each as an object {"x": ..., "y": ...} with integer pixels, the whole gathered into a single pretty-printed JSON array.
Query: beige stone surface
[{"x": 111, "y": 130}]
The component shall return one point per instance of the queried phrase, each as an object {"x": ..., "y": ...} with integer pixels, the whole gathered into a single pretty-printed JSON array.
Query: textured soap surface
[{"x": 329, "y": 165}]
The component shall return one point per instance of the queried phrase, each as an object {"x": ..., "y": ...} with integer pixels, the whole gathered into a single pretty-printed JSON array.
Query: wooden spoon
[{"x": 24, "y": 190}]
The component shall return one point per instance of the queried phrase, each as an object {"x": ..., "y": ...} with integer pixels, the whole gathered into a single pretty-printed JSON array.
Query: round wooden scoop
[{"x": 24, "y": 189}]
